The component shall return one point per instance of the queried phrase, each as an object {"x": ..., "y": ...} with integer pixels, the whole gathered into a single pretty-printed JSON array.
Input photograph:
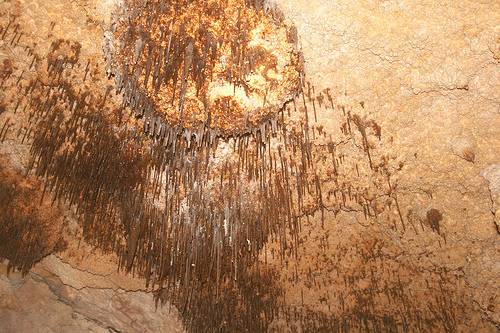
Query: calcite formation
[
  {"x": 225, "y": 65},
  {"x": 248, "y": 166}
]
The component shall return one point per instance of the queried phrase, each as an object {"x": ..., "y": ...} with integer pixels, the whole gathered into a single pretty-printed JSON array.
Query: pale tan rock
[
  {"x": 56, "y": 297},
  {"x": 428, "y": 73}
]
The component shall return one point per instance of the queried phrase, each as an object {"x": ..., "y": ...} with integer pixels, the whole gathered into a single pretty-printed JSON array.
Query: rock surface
[
  {"x": 57, "y": 297},
  {"x": 428, "y": 73}
]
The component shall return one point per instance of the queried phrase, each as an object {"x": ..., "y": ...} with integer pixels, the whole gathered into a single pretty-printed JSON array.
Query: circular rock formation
[{"x": 226, "y": 65}]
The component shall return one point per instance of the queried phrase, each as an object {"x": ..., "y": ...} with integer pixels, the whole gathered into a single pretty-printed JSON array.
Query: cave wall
[{"x": 426, "y": 72}]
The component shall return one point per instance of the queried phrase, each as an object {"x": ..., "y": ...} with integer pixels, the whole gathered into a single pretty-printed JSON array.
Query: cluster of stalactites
[
  {"x": 190, "y": 217},
  {"x": 176, "y": 212},
  {"x": 157, "y": 62}
]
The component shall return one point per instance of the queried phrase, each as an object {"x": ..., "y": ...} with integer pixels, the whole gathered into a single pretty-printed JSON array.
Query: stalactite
[{"x": 188, "y": 204}]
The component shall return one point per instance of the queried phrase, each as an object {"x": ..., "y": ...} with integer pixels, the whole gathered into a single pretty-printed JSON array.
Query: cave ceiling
[{"x": 207, "y": 149}]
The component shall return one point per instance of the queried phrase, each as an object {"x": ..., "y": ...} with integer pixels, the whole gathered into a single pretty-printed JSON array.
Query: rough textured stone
[
  {"x": 56, "y": 297},
  {"x": 428, "y": 73},
  {"x": 492, "y": 175}
]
